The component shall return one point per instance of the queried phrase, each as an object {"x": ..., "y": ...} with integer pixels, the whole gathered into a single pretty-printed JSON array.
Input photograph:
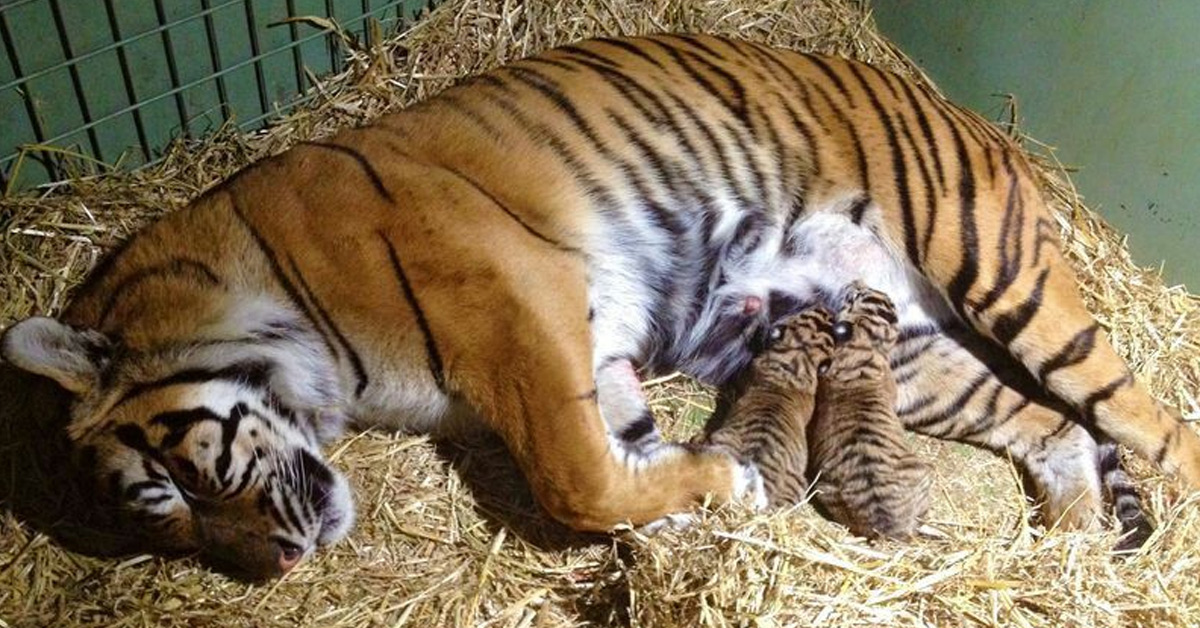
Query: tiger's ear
[{"x": 71, "y": 357}]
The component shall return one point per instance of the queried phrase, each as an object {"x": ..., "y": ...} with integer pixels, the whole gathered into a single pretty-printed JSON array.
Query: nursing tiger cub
[
  {"x": 508, "y": 250},
  {"x": 866, "y": 476},
  {"x": 763, "y": 416}
]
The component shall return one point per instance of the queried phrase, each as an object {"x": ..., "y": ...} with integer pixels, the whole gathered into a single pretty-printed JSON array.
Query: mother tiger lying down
[{"x": 512, "y": 249}]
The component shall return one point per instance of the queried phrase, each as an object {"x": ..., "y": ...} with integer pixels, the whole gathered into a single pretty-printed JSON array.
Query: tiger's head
[
  {"x": 798, "y": 350},
  {"x": 210, "y": 447}
]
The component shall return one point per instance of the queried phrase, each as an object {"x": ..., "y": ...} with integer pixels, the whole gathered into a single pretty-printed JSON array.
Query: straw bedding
[{"x": 448, "y": 534}]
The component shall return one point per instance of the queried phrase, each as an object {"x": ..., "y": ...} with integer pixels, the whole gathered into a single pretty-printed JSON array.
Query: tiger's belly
[{"x": 787, "y": 269}]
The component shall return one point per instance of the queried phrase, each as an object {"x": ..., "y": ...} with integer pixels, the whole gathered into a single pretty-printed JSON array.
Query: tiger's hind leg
[
  {"x": 1065, "y": 349},
  {"x": 999, "y": 406},
  {"x": 1008, "y": 279}
]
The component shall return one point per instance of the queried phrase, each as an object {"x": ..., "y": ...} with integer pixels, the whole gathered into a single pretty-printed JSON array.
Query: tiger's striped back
[{"x": 866, "y": 476}]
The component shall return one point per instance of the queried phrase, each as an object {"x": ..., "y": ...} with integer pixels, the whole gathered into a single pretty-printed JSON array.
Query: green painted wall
[
  {"x": 1114, "y": 85},
  {"x": 116, "y": 80}
]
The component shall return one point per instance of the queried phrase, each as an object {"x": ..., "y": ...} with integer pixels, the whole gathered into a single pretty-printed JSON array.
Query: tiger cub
[
  {"x": 762, "y": 417},
  {"x": 865, "y": 475}
]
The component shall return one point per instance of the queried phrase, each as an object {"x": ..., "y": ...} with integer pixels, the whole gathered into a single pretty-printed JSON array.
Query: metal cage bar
[{"x": 133, "y": 97}]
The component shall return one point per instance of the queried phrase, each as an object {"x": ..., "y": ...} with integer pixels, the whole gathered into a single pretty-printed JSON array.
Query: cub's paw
[{"x": 867, "y": 317}]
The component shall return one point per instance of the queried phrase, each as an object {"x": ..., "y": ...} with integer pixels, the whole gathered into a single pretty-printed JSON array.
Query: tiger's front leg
[
  {"x": 523, "y": 359},
  {"x": 624, "y": 406}
]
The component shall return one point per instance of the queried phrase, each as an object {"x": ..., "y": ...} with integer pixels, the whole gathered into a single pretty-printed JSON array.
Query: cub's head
[
  {"x": 209, "y": 447},
  {"x": 798, "y": 349}
]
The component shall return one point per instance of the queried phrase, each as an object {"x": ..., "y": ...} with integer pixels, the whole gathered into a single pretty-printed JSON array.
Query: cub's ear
[{"x": 71, "y": 357}]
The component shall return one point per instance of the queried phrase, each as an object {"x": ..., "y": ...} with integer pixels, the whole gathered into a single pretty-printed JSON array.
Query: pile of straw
[{"x": 448, "y": 534}]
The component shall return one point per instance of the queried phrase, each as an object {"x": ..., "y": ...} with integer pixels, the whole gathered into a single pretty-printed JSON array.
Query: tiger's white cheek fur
[{"x": 261, "y": 436}]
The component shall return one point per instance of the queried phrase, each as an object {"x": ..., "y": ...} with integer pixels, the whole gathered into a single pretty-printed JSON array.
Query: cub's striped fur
[
  {"x": 763, "y": 416},
  {"x": 866, "y": 476},
  {"x": 504, "y": 254}
]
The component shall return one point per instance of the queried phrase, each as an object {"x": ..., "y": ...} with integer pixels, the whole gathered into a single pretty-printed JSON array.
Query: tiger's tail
[{"x": 1132, "y": 517}]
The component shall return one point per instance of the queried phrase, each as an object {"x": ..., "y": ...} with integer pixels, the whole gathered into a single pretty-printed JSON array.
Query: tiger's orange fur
[{"x": 495, "y": 253}]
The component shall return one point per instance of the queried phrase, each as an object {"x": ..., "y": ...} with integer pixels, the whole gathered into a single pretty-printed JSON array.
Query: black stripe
[
  {"x": 1010, "y": 324},
  {"x": 628, "y": 47},
  {"x": 297, "y": 525},
  {"x": 695, "y": 42},
  {"x": 984, "y": 420},
  {"x": 955, "y": 406},
  {"x": 916, "y": 406},
  {"x": 811, "y": 147},
  {"x": 281, "y": 276},
  {"x": 657, "y": 113},
  {"x": 229, "y": 429},
  {"x": 1076, "y": 350},
  {"x": 1104, "y": 394},
  {"x": 180, "y": 422},
  {"x": 251, "y": 464},
  {"x": 759, "y": 183},
  {"x": 824, "y": 67},
  {"x": 360, "y": 372},
  {"x": 431, "y": 351},
  {"x": 859, "y": 208},
  {"x": 899, "y": 168},
  {"x": 968, "y": 270},
  {"x": 581, "y": 174},
  {"x": 453, "y": 103},
  {"x": 175, "y": 267},
  {"x": 1063, "y": 425},
  {"x": 551, "y": 90},
  {"x": 901, "y": 359},
  {"x": 844, "y": 123},
  {"x": 1010, "y": 265},
  {"x": 723, "y": 158},
  {"x": 1047, "y": 234},
  {"x": 780, "y": 158},
  {"x": 931, "y": 200},
  {"x": 363, "y": 163},
  {"x": 639, "y": 428},
  {"x": 736, "y": 104},
  {"x": 253, "y": 374},
  {"x": 918, "y": 111},
  {"x": 267, "y": 504},
  {"x": 664, "y": 218},
  {"x": 511, "y": 214},
  {"x": 576, "y": 50}
]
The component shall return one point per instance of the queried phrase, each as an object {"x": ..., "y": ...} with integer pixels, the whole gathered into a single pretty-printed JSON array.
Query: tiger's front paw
[{"x": 748, "y": 486}]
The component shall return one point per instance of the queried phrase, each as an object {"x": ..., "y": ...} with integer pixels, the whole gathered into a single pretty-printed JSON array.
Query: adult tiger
[{"x": 510, "y": 248}]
